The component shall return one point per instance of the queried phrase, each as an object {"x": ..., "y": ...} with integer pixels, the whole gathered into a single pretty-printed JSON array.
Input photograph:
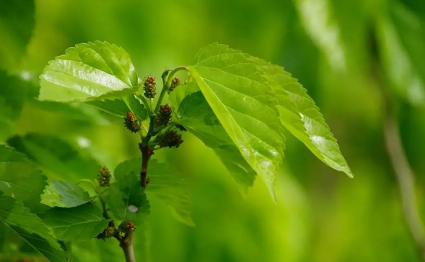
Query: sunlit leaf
[
  {"x": 75, "y": 224},
  {"x": 300, "y": 116},
  {"x": 244, "y": 105},
  {"x": 20, "y": 178},
  {"x": 64, "y": 194},
  {"x": 164, "y": 183},
  {"x": 127, "y": 199},
  {"x": 88, "y": 72},
  {"x": 197, "y": 117},
  {"x": 30, "y": 228}
]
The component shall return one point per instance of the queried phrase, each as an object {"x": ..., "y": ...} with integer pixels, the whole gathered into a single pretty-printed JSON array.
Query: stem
[
  {"x": 88, "y": 181},
  {"x": 166, "y": 83},
  {"x": 405, "y": 177},
  {"x": 105, "y": 211},
  {"x": 398, "y": 158},
  {"x": 146, "y": 154},
  {"x": 126, "y": 243}
]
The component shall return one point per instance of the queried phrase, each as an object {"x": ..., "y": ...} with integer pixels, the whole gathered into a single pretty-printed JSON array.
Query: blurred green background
[{"x": 331, "y": 46}]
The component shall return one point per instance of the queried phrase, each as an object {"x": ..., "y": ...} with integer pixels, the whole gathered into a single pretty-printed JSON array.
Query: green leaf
[
  {"x": 89, "y": 71},
  {"x": 301, "y": 117},
  {"x": 127, "y": 199},
  {"x": 16, "y": 26},
  {"x": 120, "y": 108},
  {"x": 12, "y": 98},
  {"x": 165, "y": 184},
  {"x": 401, "y": 35},
  {"x": 30, "y": 228},
  {"x": 115, "y": 107},
  {"x": 64, "y": 194},
  {"x": 197, "y": 117},
  {"x": 244, "y": 105},
  {"x": 320, "y": 22},
  {"x": 20, "y": 178},
  {"x": 57, "y": 158},
  {"x": 75, "y": 224}
]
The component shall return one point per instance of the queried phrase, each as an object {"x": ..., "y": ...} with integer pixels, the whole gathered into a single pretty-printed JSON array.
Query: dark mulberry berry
[
  {"x": 175, "y": 83},
  {"x": 149, "y": 87},
  {"x": 131, "y": 122},
  {"x": 170, "y": 139},
  {"x": 164, "y": 116},
  {"x": 104, "y": 176}
]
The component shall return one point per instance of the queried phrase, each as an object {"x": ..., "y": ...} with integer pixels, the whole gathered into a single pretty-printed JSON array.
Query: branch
[
  {"x": 126, "y": 243},
  {"x": 405, "y": 177},
  {"x": 398, "y": 158}
]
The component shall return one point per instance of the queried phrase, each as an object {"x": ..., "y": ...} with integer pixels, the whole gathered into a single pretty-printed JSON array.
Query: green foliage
[
  {"x": 30, "y": 228},
  {"x": 16, "y": 26},
  {"x": 401, "y": 35},
  {"x": 244, "y": 92},
  {"x": 20, "y": 178},
  {"x": 64, "y": 194},
  {"x": 127, "y": 200},
  {"x": 12, "y": 98},
  {"x": 80, "y": 223},
  {"x": 56, "y": 157},
  {"x": 244, "y": 105},
  {"x": 196, "y": 115},
  {"x": 87, "y": 72},
  {"x": 165, "y": 184},
  {"x": 238, "y": 105}
]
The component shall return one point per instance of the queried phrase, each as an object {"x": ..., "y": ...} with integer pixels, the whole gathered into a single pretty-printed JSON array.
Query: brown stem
[
  {"x": 126, "y": 243},
  {"x": 146, "y": 154}
]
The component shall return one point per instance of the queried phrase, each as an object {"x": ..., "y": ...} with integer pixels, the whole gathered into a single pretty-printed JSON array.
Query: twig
[
  {"x": 405, "y": 177},
  {"x": 126, "y": 243},
  {"x": 398, "y": 158}
]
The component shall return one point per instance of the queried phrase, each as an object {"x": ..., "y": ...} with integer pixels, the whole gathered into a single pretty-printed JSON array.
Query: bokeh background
[{"x": 348, "y": 54}]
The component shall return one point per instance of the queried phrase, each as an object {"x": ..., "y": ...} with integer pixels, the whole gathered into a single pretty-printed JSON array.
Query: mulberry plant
[{"x": 238, "y": 105}]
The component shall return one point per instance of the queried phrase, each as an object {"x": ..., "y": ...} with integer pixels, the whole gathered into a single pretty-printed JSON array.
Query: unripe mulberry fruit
[
  {"x": 170, "y": 139},
  {"x": 175, "y": 83},
  {"x": 127, "y": 226},
  {"x": 131, "y": 122},
  {"x": 104, "y": 176},
  {"x": 164, "y": 115},
  {"x": 149, "y": 87}
]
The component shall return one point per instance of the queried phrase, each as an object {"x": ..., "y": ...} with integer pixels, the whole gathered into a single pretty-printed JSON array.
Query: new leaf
[{"x": 88, "y": 72}]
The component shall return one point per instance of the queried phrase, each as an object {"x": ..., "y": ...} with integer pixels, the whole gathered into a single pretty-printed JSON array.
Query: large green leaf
[
  {"x": 12, "y": 97},
  {"x": 245, "y": 106},
  {"x": 87, "y": 72},
  {"x": 197, "y": 117},
  {"x": 30, "y": 228},
  {"x": 20, "y": 178},
  {"x": 164, "y": 183},
  {"x": 301, "y": 117},
  {"x": 401, "y": 36},
  {"x": 56, "y": 157},
  {"x": 75, "y": 224},
  {"x": 119, "y": 108},
  {"x": 127, "y": 199},
  {"x": 64, "y": 194},
  {"x": 16, "y": 25}
]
